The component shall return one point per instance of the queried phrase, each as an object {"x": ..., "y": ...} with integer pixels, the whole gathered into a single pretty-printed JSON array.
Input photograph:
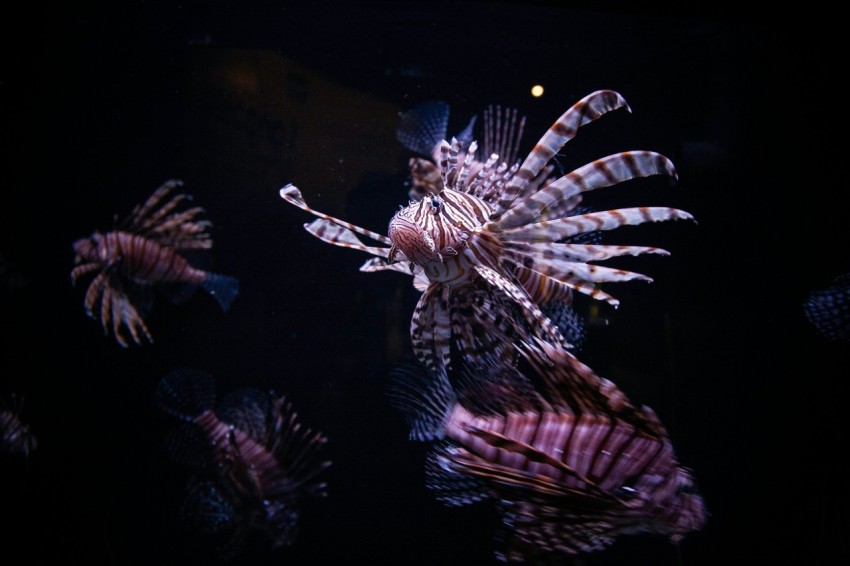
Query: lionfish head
[
  {"x": 426, "y": 233},
  {"x": 409, "y": 236},
  {"x": 85, "y": 249}
]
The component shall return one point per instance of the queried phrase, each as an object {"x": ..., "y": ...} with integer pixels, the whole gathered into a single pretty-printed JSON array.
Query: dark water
[{"x": 100, "y": 106}]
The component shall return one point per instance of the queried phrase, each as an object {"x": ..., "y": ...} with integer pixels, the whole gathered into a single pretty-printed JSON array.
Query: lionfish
[
  {"x": 828, "y": 310},
  {"x": 144, "y": 251},
  {"x": 569, "y": 461},
  {"x": 256, "y": 460},
  {"x": 492, "y": 247},
  {"x": 422, "y": 130},
  {"x": 15, "y": 435}
]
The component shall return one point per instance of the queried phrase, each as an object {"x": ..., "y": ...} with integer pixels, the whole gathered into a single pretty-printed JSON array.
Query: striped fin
[
  {"x": 485, "y": 325},
  {"x": 144, "y": 216},
  {"x": 564, "y": 129},
  {"x": 424, "y": 398},
  {"x": 178, "y": 230},
  {"x": 374, "y": 264},
  {"x": 554, "y": 230},
  {"x": 502, "y": 138},
  {"x": 540, "y": 325},
  {"x": 296, "y": 449},
  {"x": 430, "y": 329},
  {"x": 557, "y": 197},
  {"x": 450, "y": 487},
  {"x": 291, "y": 194},
  {"x": 574, "y": 384},
  {"x": 569, "y": 270},
  {"x": 575, "y": 252},
  {"x": 338, "y": 235}
]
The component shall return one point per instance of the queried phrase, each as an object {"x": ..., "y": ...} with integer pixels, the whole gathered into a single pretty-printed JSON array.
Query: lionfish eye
[{"x": 436, "y": 203}]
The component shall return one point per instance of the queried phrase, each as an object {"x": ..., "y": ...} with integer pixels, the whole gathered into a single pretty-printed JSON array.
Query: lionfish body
[
  {"x": 489, "y": 249},
  {"x": 16, "y": 437},
  {"x": 144, "y": 252},
  {"x": 572, "y": 467},
  {"x": 264, "y": 461}
]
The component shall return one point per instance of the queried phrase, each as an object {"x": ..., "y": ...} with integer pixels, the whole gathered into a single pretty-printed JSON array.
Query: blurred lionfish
[
  {"x": 570, "y": 462},
  {"x": 256, "y": 459},
  {"x": 15, "y": 435},
  {"x": 829, "y": 309},
  {"x": 492, "y": 245},
  {"x": 146, "y": 250}
]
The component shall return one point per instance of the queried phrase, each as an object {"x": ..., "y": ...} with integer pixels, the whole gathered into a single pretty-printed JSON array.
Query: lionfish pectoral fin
[
  {"x": 451, "y": 487},
  {"x": 185, "y": 393},
  {"x": 336, "y": 234},
  {"x": 424, "y": 126},
  {"x": 291, "y": 194},
  {"x": 223, "y": 288}
]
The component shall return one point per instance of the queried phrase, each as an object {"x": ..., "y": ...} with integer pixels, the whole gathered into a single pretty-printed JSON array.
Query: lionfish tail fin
[
  {"x": 424, "y": 398},
  {"x": 186, "y": 393},
  {"x": 223, "y": 288}
]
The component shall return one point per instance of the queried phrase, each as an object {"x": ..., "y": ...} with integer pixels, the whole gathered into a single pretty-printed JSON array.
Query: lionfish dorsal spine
[
  {"x": 564, "y": 129},
  {"x": 553, "y": 199}
]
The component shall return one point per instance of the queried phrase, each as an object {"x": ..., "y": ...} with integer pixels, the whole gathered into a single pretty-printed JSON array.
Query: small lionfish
[
  {"x": 829, "y": 309},
  {"x": 492, "y": 245},
  {"x": 570, "y": 462},
  {"x": 257, "y": 460},
  {"x": 144, "y": 251},
  {"x": 15, "y": 436}
]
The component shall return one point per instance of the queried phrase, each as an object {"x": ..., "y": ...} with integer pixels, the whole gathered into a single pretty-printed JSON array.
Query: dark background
[{"x": 101, "y": 105}]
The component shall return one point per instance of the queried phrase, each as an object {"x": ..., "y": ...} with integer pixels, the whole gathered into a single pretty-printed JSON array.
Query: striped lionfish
[
  {"x": 569, "y": 461},
  {"x": 143, "y": 251},
  {"x": 491, "y": 245},
  {"x": 423, "y": 129},
  {"x": 256, "y": 459},
  {"x": 15, "y": 435}
]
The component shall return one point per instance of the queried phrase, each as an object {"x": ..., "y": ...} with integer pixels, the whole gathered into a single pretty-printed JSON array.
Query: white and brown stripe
[{"x": 509, "y": 229}]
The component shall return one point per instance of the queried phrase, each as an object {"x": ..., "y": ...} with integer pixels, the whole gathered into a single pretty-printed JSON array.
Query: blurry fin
[
  {"x": 249, "y": 410},
  {"x": 829, "y": 309},
  {"x": 449, "y": 487},
  {"x": 571, "y": 324},
  {"x": 187, "y": 444},
  {"x": 206, "y": 510},
  {"x": 223, "y": 287},
  {"x": 186, "y": 393},
  {"x": 178, "y": 293},
  {"x": 424, "y": 126},
  {"x": 466, "y": 136},
  {"x": 425, "y": 399},
  {"x": 283, "y": 522}
]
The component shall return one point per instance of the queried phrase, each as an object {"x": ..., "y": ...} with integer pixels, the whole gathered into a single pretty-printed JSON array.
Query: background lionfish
[
  {"x": 255, "y": 459},
  {"x": 15, "y": 435},
  {"x": 569, "y": 461},
  {"x": 828, "y": 310},
  {"x": 492, "y": 246},
  {"x": 144, "y": 251}
]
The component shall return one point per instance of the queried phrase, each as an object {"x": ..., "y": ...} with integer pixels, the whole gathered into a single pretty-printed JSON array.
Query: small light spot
[{"x": 537, "y": 91}]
